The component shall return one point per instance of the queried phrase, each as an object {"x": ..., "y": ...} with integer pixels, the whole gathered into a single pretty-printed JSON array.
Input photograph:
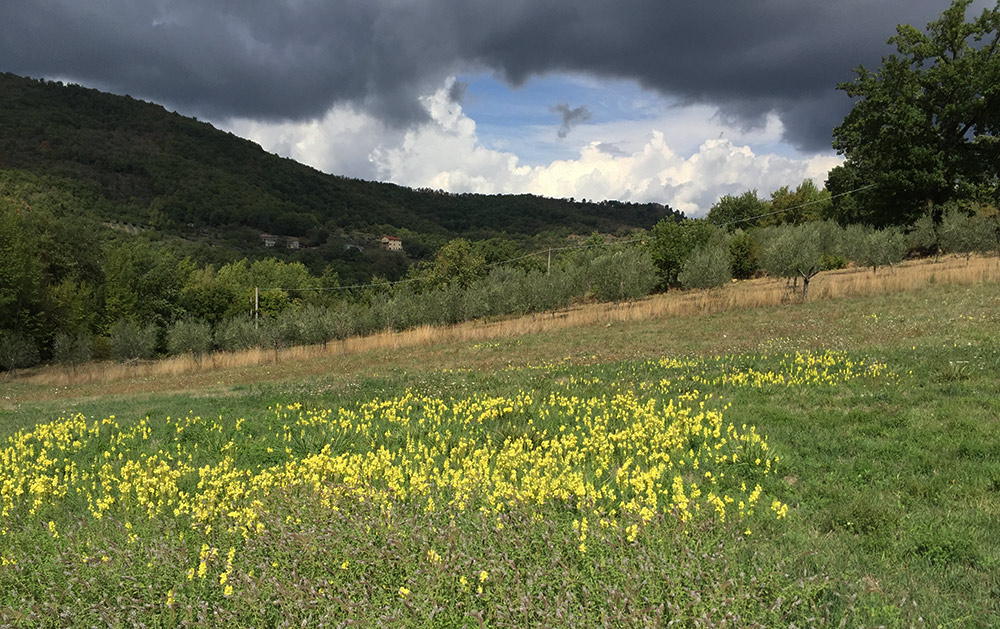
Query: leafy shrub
[
  {"x": 17, "y": 350},
  {"x": 72, "y": 349},
  {"x": 623, "y": 274},
  {"x": 706, "y": 267},
  {"x": 922, "y": 236},
  {"x": 792, "y": 251},
  {"x": 238, "y": 333},
  {"x": 874, "y": 247},
  {"x": 315, "y": 325},
  {"x": 743, "y": 249},
  {"x": 496, "y": 294},
  {"x": 831, "y": 262},
  {"x": 961, "y": 233},
  {"x": 129, "y": 341},
  {"x": 189, "y": 337},
  {"x": 101, "y": 348},
  {"x": 288, "y": 327}
]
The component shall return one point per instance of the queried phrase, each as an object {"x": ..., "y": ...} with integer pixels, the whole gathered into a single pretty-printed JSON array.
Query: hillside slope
[{"x": 165, "y": 171}]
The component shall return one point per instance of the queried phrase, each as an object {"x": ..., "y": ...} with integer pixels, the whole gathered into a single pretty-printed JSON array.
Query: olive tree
[
  {"x": 130, "y": 341},
  {"x": 72, "y": 348},
  {"x": 623, "y": 274},
  {"x": 707, "y": 267},
  {"x": 793, "y": 251},
  {"x": 966, "y": 234},
  {"x": 874, "y": 247},
  {"x": 237, "y": 333},
  {"x": 189, "y": 337}
]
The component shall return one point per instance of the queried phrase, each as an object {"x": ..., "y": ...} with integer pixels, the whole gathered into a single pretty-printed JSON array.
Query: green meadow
[{"x": 828, "y": 463}]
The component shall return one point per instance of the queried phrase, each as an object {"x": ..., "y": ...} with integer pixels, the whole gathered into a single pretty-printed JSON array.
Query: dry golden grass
[{"x": 759, "y": 293}]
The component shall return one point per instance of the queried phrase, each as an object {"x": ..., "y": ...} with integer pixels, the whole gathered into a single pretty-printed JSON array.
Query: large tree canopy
[{"x": 923, "y": 128}]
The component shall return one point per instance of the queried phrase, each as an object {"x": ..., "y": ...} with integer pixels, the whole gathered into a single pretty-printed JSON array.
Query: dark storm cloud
[
  {"x": 456, "y": 93},
  {"x": 570, "y": 117},
  {"x": 293, "y": 59}
]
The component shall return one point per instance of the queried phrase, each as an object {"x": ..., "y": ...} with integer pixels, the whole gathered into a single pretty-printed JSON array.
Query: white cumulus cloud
[{"x": 446, "y": 153}]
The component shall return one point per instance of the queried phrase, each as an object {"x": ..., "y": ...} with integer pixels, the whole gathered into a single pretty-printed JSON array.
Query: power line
[{"x": 796, "y": 207}]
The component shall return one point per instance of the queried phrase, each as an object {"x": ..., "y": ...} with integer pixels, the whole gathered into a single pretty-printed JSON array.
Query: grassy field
[{"x": 792, "y": 464}]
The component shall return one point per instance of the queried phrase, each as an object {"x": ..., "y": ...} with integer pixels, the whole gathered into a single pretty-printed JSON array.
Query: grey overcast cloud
[{"x": 527, "y": 92}]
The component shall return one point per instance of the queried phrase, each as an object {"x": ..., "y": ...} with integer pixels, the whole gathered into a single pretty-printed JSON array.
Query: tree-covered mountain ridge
[{"x": 147, "y": 166}]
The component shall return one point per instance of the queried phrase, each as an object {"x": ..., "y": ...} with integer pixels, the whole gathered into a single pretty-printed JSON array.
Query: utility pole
[
  {"x": 256, "y": 306},
  {"x": 548, "y": 270}
]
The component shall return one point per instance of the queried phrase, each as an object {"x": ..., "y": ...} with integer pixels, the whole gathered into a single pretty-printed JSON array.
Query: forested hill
[{"x": 158, "y": 169}]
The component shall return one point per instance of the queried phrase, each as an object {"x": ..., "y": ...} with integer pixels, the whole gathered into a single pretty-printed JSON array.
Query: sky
[{"x": 673, "y": 101}]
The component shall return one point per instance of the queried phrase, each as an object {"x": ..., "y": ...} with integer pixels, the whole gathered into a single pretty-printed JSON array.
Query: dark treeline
[{"x": 124, "y": 296}]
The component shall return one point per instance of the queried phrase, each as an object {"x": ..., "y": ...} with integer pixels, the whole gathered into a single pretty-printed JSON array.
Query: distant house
[
  {"x": 271, "y": 240},
  {"x": 349, "y": 246},
  {"x": 391, "y": 243}
]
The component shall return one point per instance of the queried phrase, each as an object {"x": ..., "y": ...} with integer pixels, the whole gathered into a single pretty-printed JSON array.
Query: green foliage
[
  {"x": 874, "y": 247},
  {"x": 20, "y": 271},
  {"x": 131, "y": 341},
  {"x": 456, "y": 264},
  {"x": 832, "y": 262},
  {"x": 316, "y": 325},
  {"x": 966, "y": 234},
  {"x": 805, "y": 203},
  {"x": 737, "y": 212},
  {"x": 140, "y": 284},
  {"x": 17, "y": 350},
  {"x": 72, "y": 304},
  {"x": 189, "y": 337},
  {"x": 922, "y": 235},
  {"x": 204, "y": 297},
  {"x": 708, "y": 266},
  {"x": 500, "y": 292},
  {"x": 848, "y": 201},
  {"x": 627, "y": 273},
  {"x": 671, "y": 243},
  {"x": 743, "y": 252},
  {"x": 72, "y": 349},
  {"x": 923, "y": 127},
  {"x": 542, "y": 292},
  {"x": 793, "y": 251},
  {"x": 238, "y": 333}
]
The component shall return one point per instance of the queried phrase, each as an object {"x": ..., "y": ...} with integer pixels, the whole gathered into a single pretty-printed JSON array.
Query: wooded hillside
[{"x": 161, "y": 170}]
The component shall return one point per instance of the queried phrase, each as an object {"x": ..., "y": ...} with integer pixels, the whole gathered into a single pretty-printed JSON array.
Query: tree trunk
[{"x": 806, "y": 276}]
